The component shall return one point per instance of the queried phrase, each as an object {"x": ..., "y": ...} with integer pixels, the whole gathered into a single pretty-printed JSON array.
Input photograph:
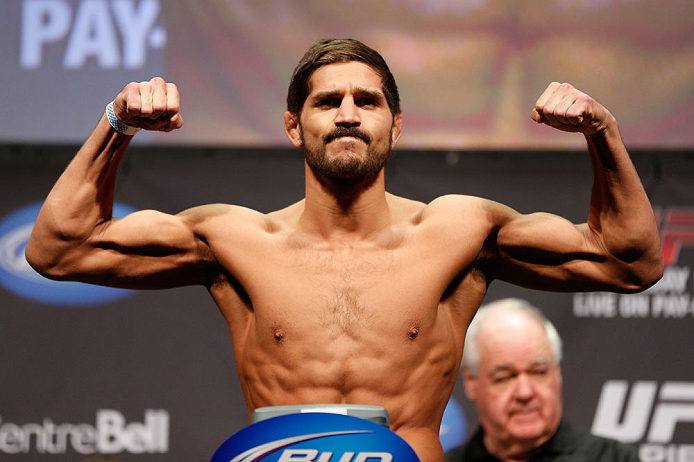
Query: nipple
[{"x": 413, "y": 333}]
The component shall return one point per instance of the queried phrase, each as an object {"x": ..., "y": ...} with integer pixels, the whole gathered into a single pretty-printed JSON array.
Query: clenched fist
[
  {"x": 566, "y": 108},
  {"x": 152, "y": 105}
]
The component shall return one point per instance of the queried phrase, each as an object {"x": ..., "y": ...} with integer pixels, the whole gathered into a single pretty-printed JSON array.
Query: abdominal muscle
[{"x": 410, "y": 371}]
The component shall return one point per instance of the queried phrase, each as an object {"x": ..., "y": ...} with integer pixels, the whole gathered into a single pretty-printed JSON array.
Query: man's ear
[
  {"x": 397, "y": 130},
  {"x": 470, "y": 383},
  {"x": 292, "y": 128}
]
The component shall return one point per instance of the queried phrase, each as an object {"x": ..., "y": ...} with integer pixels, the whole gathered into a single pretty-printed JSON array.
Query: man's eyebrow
[
  {"x": 326, "y": 94},
  {"x": 500, "y": 368},
  {"x": 369, "y": 92},
  {"x": 541, "y": 361},
  {"x": 358, "y": 91}
]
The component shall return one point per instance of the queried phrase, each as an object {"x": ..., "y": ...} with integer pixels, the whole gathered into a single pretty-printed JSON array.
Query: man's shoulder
[
  {"x": 458, "y": 212},
  {"x": 227, "y": 216},
  {"x": 458, "y": 200},
  {"x": 464, "y": 207},
  {"x": 608, "y": 450},
  {"x": 473, "y": 450},
  {"x": 596, "y": 448}
]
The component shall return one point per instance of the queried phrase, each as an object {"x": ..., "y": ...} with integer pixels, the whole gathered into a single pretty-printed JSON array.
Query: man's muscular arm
[
  {"x": 75, "y": 236},
  {"x": 618, "y": 248}
]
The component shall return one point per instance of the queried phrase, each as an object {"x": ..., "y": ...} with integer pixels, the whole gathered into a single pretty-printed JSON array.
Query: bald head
[{"x": 500, "y": 315}]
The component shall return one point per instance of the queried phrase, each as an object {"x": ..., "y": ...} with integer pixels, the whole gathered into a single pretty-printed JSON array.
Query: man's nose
[
  {"x": 347, "y": 114},
  {"x": 524, "y": 388}
]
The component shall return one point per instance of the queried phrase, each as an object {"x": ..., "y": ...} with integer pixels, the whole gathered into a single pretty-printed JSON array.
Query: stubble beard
[{"x": 348, "y": 168}]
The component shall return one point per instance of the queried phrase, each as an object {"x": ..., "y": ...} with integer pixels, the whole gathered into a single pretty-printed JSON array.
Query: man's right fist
[{"x": 152, "y": 105}]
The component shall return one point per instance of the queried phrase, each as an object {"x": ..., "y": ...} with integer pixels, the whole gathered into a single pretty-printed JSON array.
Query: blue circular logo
[
  {"x": 318, "y": 437},
  {"x": 17, "y": 277},
  {"x": 453, "y": 426}
]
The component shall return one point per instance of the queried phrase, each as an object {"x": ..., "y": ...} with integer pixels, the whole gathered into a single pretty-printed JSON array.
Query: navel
[
  {"x": 413, "y": 333},
  {"x": 278, "y": 334}
]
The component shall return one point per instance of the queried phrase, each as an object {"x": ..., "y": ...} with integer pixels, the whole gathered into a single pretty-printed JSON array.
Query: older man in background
[{"x": 511, "y": 372}]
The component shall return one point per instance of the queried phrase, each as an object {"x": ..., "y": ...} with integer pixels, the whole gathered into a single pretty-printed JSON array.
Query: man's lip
[
  {"x": 524, "y": 411},
  {"x": 346, "y": 136}
]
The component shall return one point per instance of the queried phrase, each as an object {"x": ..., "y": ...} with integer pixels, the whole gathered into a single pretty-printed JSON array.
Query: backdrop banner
[{"x": 150, "y": 375}]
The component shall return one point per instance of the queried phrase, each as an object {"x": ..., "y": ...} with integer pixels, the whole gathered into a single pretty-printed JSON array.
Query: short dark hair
[{"x": 331, "y": 51}]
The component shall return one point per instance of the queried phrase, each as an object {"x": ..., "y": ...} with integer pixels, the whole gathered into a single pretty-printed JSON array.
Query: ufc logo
[
  {"x": 676, "y": 231},
  {"x": 674, "y": 403}
]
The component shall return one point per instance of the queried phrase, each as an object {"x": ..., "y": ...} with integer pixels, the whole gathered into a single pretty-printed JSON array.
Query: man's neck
[{"x": 344, "y": 210}]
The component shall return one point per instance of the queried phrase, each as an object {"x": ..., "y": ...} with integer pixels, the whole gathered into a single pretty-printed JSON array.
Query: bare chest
[
  {"x": 344, "y": 293},
  {"x": 295, "y": 289}
]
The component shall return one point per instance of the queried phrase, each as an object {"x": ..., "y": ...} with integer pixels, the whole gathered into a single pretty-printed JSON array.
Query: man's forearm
[
  {"x": 620, "y": 211},
  {"x": 81, "y": 199}
]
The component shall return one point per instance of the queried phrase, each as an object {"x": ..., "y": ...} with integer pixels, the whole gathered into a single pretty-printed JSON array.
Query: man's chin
[
  {"x": 348, "y": 177},
  {"x": 346, "y": 155},
  {"x": 348, "y": 168},
  {"x": 527, "y": 426}
]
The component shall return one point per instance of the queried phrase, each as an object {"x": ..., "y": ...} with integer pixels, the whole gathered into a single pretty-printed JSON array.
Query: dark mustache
[{"x": 351, "y": 131}]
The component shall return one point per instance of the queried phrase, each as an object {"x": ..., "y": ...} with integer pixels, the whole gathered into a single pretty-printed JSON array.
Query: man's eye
[
  {"x": 328, "y": 102},
  {"x": 501, "y": 378},
  {"x": 367, "y": 102}
]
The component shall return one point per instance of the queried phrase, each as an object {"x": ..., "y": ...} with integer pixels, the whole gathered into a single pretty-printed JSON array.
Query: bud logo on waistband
[
  {"x": 265, "y": 449},
  {"x": 317, "y": 437}
]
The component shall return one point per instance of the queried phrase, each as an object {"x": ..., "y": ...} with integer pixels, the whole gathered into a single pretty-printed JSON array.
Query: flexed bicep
[
  {"x": 547, "y": 252},
  {"x": 146, "y": 249}
]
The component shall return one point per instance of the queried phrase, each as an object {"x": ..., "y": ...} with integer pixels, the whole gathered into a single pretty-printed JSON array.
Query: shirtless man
[{"x": 351, "y": 295}]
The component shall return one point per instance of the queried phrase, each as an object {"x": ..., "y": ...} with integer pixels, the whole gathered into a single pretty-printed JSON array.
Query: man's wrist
[
  {"x": 117, "y": 125},
  {"x": 609, "y": 127}
]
